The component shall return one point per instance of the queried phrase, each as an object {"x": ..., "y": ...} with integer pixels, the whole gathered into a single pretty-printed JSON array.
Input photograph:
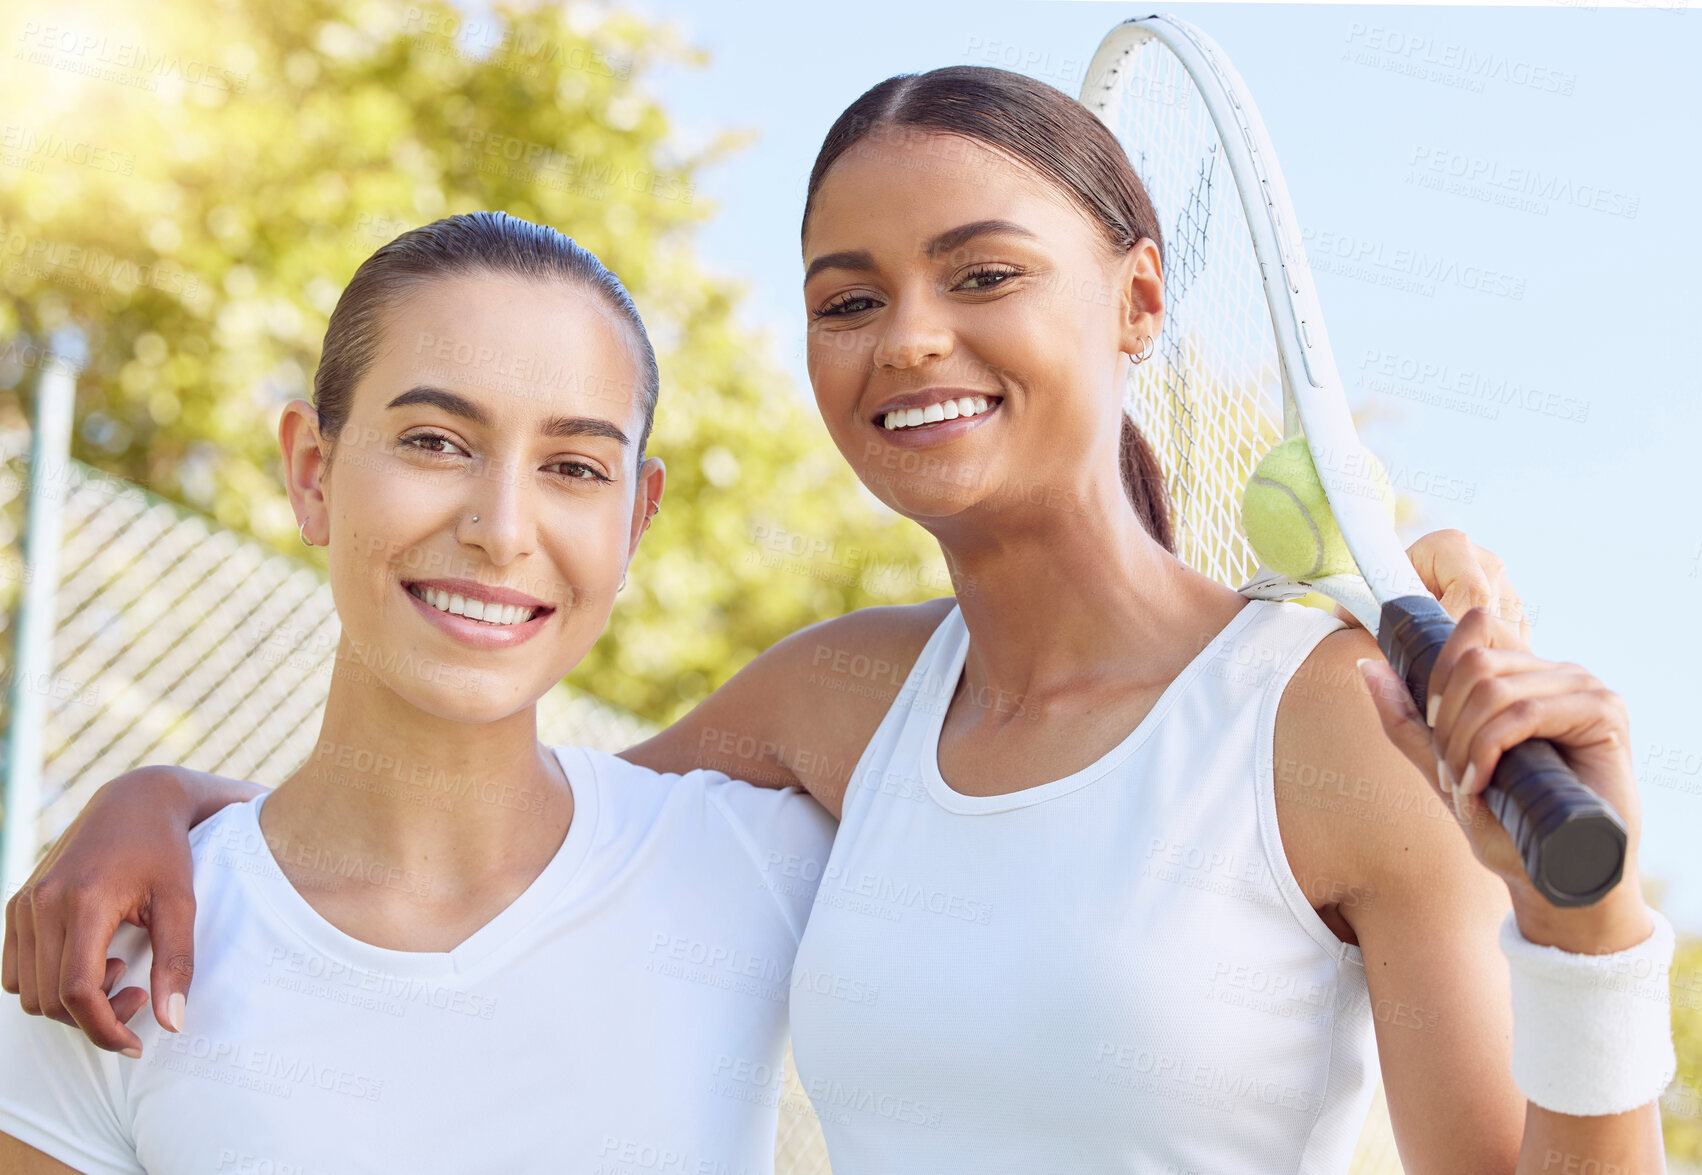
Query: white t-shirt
[{"x": 625, "y": 1015}]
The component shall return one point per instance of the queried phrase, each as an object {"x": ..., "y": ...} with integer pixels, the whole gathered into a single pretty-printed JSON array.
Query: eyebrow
[
  {"x": 862, "y": 261},
  {"x": 555, "y": 426}
]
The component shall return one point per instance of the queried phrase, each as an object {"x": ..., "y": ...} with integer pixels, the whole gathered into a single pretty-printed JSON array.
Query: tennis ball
[{"x": 1286, "y": 516}]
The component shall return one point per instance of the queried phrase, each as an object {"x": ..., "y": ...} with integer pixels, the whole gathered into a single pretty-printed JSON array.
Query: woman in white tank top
[
  {"x": 1134, "y": 874},
  {"x": 1140, "y": 879}
]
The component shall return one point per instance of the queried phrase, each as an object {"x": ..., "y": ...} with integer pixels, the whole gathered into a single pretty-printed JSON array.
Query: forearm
[
  {"x": 179, "y": 796},
  {"x": 202, "y": 794},
  {"x": 1608, "y": 1144}
]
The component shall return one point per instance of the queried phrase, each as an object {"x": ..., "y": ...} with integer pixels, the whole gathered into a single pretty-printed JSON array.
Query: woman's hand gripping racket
[{"x": 1242, "y": 317}]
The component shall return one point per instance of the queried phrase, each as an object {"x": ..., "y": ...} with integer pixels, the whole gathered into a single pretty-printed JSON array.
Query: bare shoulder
[
  {"x": 861, "y": 658},
  {"x": 895, "y": 633},
  {"x": 1359, "y": 823},
  {"x": 801, "y": 712}
]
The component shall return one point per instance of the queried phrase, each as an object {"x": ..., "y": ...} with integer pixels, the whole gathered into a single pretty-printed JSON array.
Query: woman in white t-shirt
[
  {"x": 1130, "y": 901},
  {"x": 441, "y": 946}
]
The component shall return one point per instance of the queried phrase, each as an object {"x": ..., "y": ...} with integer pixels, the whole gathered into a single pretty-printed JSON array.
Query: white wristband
[{"x": 1592, "y": 1034}]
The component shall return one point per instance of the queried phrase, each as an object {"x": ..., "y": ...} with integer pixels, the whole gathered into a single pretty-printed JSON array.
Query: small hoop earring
[
  {"x": 302, "y": 531},
  {"x": 622, "y": 586},
  {"x": 1146, "y": 353}
]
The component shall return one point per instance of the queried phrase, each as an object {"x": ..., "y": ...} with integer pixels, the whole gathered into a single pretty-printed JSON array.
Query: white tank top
[{"x": 1112, "y": 972}]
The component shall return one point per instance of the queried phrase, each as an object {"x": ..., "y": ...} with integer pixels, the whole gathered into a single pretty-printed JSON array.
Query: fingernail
[
  {"x": 133, "y": 1054},
  {"x": 1364, "y": 676},
  {"x": 174, "y": 1011},
  {"x": 1430, "y": 709},
  {"x": 1466, "y": 779},
  {"x": 1442, "y": 777}
]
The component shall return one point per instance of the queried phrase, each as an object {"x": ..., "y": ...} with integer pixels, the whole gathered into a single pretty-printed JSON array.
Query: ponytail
[{"x": 1144, "y": 481}]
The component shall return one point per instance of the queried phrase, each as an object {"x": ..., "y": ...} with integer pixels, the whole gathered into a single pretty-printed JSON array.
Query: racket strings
[
  {"x": 1186, "y": 259},
  {"x": 1209, "y": 401},
  {"x": 1193, "y": 223}
]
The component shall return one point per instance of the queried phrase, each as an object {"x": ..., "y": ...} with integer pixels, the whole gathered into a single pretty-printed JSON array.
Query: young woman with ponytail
[{"x": 1133, "y": 873}]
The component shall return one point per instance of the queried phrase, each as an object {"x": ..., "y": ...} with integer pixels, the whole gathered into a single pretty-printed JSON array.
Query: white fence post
[{"x": 32, "y": 647}]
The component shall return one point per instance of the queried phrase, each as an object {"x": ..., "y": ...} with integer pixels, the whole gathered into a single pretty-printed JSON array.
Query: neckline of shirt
[
  {"x": 546, "y": 888},
  {"x": 961, "y": 803}
]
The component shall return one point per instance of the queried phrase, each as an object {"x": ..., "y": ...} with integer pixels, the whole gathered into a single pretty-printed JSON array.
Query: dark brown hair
[
  {"x": 1063, "y": 142},
  {"x": 471, "y": 243}
]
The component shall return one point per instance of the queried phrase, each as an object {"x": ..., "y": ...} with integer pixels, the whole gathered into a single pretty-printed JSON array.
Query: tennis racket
[{"x": 1244, "y": 361}]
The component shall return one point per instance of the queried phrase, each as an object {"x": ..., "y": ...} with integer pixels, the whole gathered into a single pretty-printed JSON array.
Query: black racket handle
[{"x": 1571, "y": 840}]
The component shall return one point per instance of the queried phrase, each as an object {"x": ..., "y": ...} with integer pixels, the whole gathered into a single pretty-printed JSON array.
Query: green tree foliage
[{"x": 191, "y": 183}]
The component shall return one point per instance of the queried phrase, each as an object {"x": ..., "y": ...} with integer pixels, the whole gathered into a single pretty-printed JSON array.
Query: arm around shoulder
[
  {"x": 800, "y": 713},
  {"x": 125, "y": 858}
]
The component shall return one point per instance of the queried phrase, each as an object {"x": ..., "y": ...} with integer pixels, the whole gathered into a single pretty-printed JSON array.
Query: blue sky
[{"x": 1539, "y": 393}]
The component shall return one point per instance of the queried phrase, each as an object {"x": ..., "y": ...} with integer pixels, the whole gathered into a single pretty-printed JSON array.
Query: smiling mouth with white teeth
[
  {"x": 935, "y": 413},
  {"x": 496, "y": 615}
]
